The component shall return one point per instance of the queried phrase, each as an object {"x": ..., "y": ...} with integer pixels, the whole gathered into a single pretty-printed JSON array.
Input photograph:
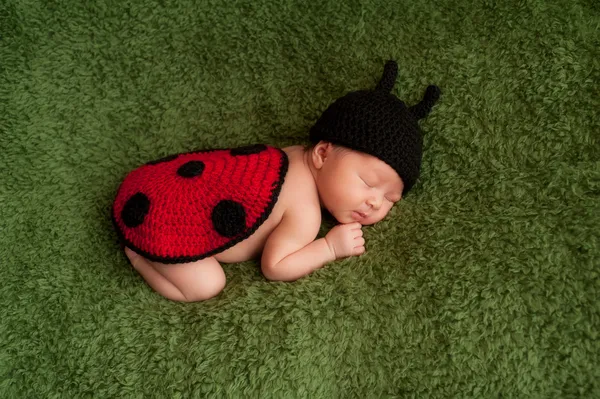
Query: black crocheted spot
[
  {"x": 229, "y": 218},
  {"x": 191, "y": 169},
  {"x": 249, "y": 149},
  {"x": 165, "y": 159},
  {"x": 135, "y": 210}
]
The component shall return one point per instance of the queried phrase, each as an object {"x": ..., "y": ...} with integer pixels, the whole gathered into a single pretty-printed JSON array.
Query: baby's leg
[{"x": 187, "y": 282}]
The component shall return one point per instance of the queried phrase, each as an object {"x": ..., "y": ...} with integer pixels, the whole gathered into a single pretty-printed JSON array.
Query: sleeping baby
[{"x": 181, "y": 216}]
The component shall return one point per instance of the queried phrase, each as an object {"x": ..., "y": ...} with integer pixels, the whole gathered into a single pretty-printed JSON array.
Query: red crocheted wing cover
[{"x": 189, "y": 206}]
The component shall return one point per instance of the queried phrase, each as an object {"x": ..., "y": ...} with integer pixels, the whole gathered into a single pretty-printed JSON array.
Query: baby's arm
[{"x": 291, "y": 253}]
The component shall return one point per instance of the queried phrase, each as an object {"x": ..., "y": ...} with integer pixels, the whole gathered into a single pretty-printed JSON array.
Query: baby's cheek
[
  {"x": 352, "y": 193},
  {"x": 385, "y": 211},
  {"x": 377, "y": 217}
]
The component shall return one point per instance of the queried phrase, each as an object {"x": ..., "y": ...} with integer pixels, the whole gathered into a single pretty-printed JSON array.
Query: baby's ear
[{"x": 320, "y": 153}]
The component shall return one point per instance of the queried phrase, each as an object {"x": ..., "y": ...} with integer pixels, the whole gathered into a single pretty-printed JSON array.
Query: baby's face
[{"x": 356, "y": 187}]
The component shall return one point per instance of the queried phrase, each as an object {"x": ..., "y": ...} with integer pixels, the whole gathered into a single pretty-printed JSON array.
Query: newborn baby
[{"x": 181, "y": 216}]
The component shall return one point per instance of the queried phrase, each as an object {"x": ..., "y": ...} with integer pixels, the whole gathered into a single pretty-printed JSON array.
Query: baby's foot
[{"x": 133, "y": 257}]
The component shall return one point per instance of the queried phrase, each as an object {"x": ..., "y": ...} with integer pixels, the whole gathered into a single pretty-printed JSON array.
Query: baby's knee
[
  {"x": 208, "y": 286},
  {"x": 206, "y": 290}
]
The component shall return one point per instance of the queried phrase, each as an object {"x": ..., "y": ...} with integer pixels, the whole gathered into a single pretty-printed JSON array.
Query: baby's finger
[
  {"x": 355, "y": 226},
  {"x": 359, "y": 241}
]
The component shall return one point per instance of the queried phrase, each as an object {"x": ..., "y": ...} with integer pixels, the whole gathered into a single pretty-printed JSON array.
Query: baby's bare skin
[{"x": 356, "y": 188}]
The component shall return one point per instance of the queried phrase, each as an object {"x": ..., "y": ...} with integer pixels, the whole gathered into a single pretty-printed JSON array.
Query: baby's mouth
[{"x": 358, "y": 215}]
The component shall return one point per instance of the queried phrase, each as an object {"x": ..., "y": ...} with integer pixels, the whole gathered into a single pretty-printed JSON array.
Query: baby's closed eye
[{"x": 367, "y": 183}]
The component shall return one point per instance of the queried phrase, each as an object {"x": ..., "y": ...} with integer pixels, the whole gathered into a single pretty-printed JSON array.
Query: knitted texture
[
  {"x": 188, "y": 206},
  {"x": 377, "y": 123}
]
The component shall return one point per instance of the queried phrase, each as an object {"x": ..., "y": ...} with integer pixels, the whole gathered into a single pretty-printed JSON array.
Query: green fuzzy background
[{"x": 483, "y": 282}]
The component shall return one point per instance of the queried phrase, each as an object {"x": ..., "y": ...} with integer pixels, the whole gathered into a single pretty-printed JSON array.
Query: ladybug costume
[{"x": 189, "y": 206}]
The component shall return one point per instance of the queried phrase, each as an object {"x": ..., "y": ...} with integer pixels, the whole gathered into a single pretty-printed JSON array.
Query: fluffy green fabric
[{"x": 483, "y": 281}]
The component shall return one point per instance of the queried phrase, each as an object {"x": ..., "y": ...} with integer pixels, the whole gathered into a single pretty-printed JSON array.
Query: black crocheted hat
[{"x": 378, "y": 123}]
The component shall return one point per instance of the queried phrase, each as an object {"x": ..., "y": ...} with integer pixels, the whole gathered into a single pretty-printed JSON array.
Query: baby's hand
[{"x": 346, "y": 240}]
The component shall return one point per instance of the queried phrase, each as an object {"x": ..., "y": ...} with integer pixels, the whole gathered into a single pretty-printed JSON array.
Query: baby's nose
[{"x": 375, "y": 202}]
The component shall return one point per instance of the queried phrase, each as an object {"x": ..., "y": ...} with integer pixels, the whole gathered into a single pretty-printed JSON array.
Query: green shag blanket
[{"x": 482, "y": 282}]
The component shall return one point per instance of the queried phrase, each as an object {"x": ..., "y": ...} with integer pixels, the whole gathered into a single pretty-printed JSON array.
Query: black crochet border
[{"x": 186, "y": 259}]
